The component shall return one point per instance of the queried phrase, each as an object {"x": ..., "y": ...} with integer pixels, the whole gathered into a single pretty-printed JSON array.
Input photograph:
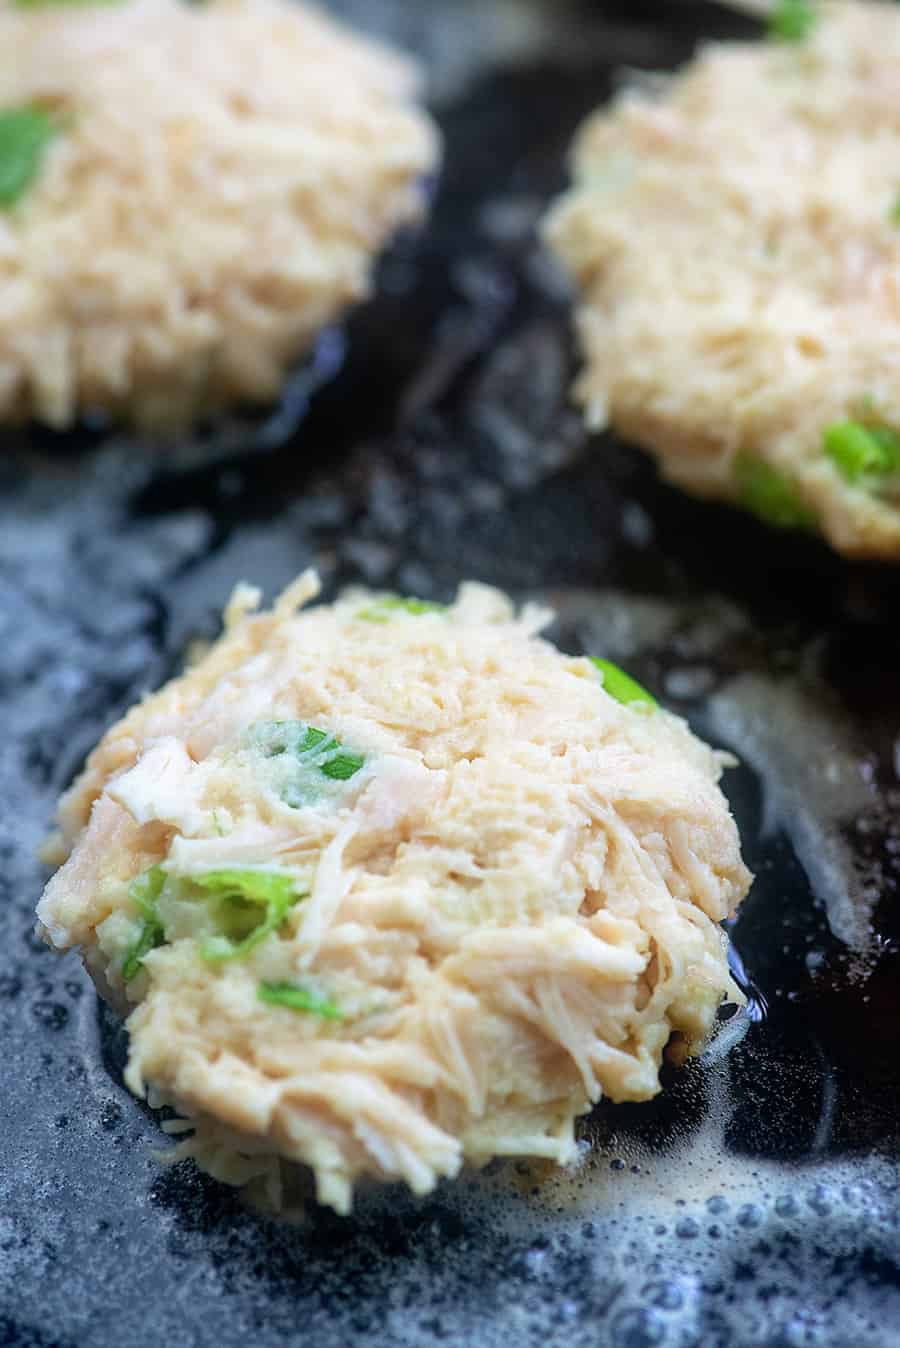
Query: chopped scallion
[
  {"x": 237, "y": 895},
  {"x": 620, "y": 685},
  {"x": 144, "y": 893},
  {"x": 298, "y": 999},
  {"x": 314, "y": 753},
  {"x": 25, "y": 134},
  {"x": 381, "y": 610},
  {"x": 771, "y": 496},
  {"x": 792, "y": 20},
  {"x": 342, "y": 766},
  {"x": 861, "y": 451}
]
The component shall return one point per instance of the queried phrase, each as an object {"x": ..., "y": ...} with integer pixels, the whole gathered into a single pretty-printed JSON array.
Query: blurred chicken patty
[
  {"x": 188, "y": 193},
  {"x": 385, "y": 886},
  {"x": 735, "y": 233}
]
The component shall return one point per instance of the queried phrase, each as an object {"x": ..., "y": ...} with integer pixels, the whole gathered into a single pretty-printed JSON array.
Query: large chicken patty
[{"x": 383, "y": 886}]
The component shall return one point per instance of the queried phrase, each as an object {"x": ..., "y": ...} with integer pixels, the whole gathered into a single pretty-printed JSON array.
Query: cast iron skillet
[{"x": 754, "y": 1202}]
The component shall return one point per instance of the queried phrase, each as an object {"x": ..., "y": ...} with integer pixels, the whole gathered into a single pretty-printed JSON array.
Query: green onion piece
[
  {"x": 288, "y": 737},
  {"x": 151, "y": 935},
  {"x": 620, "y": 685},
  {"x": 859, "y": 451},
  {"x": 342, "y": 766},
  {"x": 792, "y": 20},
  {"x": 146, "y": 889},
  {"x": 381, "y": 610},
  {"x": 890, "y": 444},
  {"x": 894, "y": 212},
  {"x": 770, "y": 495},
  {"x": 298, "y": 999},
  {"x": 312, "y": 738},
  {"x": 238, "y": 895},
  {"x": 249, "y": 883},
  {"x": 143, "y": 893},
  {"x": 315, "y": 751},
  {"x": 24, "y": 136}
]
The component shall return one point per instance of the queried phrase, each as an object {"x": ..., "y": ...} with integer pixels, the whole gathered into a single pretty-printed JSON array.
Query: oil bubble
[
  {"x": 52, "y": 1015},
  {"x": 638, "y": 1328}
]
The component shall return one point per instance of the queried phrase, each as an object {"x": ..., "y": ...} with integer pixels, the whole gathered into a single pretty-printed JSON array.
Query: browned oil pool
[{"x": 755, "y": 1201}]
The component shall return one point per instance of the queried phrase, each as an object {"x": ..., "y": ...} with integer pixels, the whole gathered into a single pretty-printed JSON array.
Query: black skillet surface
[{"x": 755, "y": 1201}]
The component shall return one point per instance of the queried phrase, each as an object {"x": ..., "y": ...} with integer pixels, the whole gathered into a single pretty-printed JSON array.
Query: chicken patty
[
  {"x": 735, "y": 234},
  {"x": 188, "y": 194},
  {"x": 384, "y": 886}
]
